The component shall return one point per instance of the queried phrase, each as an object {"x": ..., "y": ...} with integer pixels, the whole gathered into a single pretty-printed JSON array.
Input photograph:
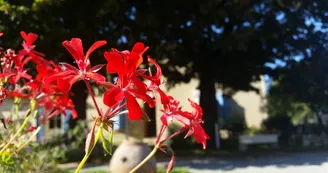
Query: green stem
[
  {"x": 16, "y": 109},
  {"x": 27, "y": 118},
  {"x": 86, "y": 156},
  {"x": 29, "y": 140},
  {"x": 17, "y": 133},
  {"x": 150, "y": 155}
]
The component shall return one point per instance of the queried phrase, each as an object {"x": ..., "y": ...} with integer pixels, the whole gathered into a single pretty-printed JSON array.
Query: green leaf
[
  {"x": 107, "y": 143},
  {"x": 6, "y": 158}
]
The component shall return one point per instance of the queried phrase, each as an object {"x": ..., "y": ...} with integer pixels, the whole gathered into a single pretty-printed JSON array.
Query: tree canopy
[
  {"x": 302, "y": 84},
  {"x": 225, "y": 42}
]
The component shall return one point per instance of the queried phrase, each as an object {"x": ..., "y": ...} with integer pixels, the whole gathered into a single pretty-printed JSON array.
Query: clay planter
[{"x": 128, "y": 155}]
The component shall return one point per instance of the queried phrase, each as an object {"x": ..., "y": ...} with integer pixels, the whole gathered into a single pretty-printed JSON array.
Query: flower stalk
[
  {"x": 150, "y": 155},
  {"x": 87, "y": 154}
]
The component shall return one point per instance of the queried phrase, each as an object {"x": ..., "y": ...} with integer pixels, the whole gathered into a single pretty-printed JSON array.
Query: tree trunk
[{"x": 209, "y": 105}]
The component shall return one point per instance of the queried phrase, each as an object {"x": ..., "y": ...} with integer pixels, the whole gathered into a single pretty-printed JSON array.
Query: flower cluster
[
  {"x": 50, "y": 88},
  {"x": 16, "y": 81}
]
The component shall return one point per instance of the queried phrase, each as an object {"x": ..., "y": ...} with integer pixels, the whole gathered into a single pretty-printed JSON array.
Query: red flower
[
  {"x": 45, "y": 70},
  {"x": 19, "y": 70},
  {"x": 59, "y": 105},
  {"x": 71, "y": 74},
  {"x": 7, "y": 64},
  {"x": 28, "y": 48},
  {"x": 172, "y": 110},
  {"x": 31, "y": 129},
  {"x": 129, "y": 86},
  {"x": 155, "y": 82},
  {"x": 195, "y": 119}
]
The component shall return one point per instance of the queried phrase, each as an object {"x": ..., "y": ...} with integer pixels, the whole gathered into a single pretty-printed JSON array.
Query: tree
[
  {"x": 280, "y": 104},
  {"x": 304, "y": 82},
  {"x": 225, "y": 42}
]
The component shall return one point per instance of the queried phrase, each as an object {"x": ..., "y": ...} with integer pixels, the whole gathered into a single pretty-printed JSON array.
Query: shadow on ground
[{"x": 281, "y": 161}]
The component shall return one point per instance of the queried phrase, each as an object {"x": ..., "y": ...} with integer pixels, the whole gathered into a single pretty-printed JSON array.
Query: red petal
[
  {"x": 97, "y": 67},
  {"x": 198, "y": 113},
  {"x": 138, "y": 47},
  {"x": 142, "y": 87},
  {"x": 164, "y": 98},
  {"x": 6, "y": 75},
  {"x": 26, "y": 76},
  {"x": 189, "y": 133},
  {"x": 158, "y": 70},
  {"x": 200, "y": 135},
  {"x": 26, "y": 60},
  {"x": 171, "y": 164},
  {"x": 69, "y": 66},
  {"x": 166, "y": 119},
  {"x": 95, "y": 46},
  {"x": 31, "y": 37},
  {"x": 107, "y": 84},
  {"x": 96, "y": 77},
  {"x": 64, "y": 84},
  {"x": 42, "y": 69},
  {"x": 1, "y": 34},
  {"x": 183, "y": 120},
  {"x": 58, "y": 75},
  {"x": 143, "y": 96},
  {"x": 23, "y": 34},
  {"x": 75, "y": 48},
  {"x": 133, "y": 62},
  {"x": 113, "y": 96},
  {"x": 115, "y": 62},
  {"x": 74, "y": 79},
  {"x": 74, "y": 114},
  {"x": 135, "y": 112}
]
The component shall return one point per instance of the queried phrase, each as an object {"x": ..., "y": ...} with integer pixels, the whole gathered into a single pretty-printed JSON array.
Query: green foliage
[
  {"x": 300, "y": 91},
  {"x": 75, "y": 138},
  {"x": 279, "y": 104},
  {"x": 35, "y": 158}
]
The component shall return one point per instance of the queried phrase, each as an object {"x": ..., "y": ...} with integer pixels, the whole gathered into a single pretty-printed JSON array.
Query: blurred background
[{"x": 258, "y": 68}]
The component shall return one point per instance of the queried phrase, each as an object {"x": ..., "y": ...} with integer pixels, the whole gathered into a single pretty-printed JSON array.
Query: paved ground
[{"x": 291, "y": 163}]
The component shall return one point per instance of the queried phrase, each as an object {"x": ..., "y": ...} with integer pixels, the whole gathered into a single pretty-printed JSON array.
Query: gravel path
[{"x": 292, "y": 163}]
